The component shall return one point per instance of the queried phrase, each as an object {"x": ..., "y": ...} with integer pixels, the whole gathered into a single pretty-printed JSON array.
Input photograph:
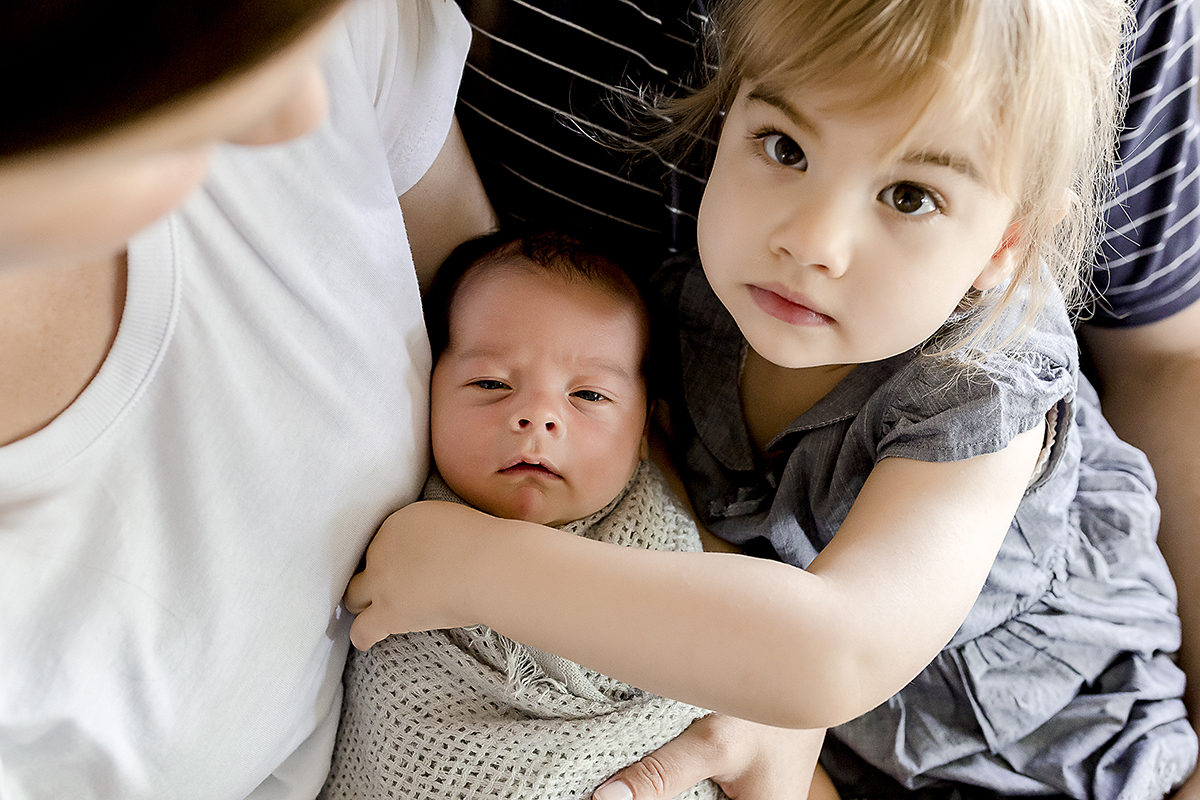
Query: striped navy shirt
[{"x": 542, "y": 108}]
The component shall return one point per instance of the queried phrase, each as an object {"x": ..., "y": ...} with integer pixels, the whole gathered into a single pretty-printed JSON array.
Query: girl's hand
[
  {"x": 747, "y": 760},
  {"x": 417, "y": 572}
]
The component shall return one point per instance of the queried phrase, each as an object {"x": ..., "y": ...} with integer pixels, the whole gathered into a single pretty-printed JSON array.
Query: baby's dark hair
[{"x": 552, "y": 252}]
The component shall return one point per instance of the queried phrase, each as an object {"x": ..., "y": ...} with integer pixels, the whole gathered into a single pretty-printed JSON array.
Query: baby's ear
[
  {"x": 1003, "y": 261},
  {"x": 644, "y": 452}
]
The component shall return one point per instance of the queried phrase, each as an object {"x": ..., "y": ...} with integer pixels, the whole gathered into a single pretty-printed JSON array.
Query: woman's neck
[
  {"x": 773, "y": 396},
  {"x": 57, "y": 325}
]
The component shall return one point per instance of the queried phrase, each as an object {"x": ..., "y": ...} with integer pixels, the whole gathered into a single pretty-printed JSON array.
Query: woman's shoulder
[{"x": 408, "y": 58}]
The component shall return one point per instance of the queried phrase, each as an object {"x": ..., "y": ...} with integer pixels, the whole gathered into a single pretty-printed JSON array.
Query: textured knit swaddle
[{"x": 468, "y": 713}]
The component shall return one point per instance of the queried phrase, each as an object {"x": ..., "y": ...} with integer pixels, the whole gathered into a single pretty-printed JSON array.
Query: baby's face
[{"x": 538, "y": 402}]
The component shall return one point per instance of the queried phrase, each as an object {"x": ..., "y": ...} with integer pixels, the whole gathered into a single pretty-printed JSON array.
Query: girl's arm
[{"x": 749, "y": 637}]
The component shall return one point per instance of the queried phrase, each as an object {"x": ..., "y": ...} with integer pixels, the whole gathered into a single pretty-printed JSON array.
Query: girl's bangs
[{"x": 884, "y": 47}]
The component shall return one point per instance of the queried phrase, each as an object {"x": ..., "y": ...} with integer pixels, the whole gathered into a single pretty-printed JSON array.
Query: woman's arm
[
  {"x": 445, "y": 208},
  {"x": 769, "y": 642},
  {"x": 1150, "y": 392}
]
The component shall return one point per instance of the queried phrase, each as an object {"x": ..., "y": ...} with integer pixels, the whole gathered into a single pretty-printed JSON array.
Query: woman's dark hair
[
  {"x": 76, "y": 68},
  {"x": 552, "y": 252}
]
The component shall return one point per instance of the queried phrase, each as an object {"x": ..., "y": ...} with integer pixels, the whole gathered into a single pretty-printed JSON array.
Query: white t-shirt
[{"x": 174, "y": 546}]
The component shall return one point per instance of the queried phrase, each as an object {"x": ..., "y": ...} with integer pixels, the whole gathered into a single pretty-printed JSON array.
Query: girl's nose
[{"x": 818, "y": 234}]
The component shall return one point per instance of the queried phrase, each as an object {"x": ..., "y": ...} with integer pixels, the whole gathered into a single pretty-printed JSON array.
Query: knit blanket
[{"x": 468, "y": 713}]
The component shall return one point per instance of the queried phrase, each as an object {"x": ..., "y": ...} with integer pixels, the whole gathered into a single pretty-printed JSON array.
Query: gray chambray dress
[{"x": 1062, "y": 680}]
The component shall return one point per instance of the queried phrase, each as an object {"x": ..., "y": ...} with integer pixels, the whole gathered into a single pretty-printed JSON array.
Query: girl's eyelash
[
  {"x": 765, "y": 133},
  {"x": 759, "y": 137}
]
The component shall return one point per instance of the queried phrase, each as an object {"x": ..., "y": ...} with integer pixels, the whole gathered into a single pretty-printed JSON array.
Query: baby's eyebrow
[
  {"x": 607, "y": 365},
  {"x": 478, "y": 352},
  {"x": 593, "y": 363}
]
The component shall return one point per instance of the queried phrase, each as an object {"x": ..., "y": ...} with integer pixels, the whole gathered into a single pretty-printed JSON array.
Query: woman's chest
[{"x": 56, "y": 328}]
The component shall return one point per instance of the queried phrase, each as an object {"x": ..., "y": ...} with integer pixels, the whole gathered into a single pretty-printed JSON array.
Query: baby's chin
[{"x": 530, "y": 504}]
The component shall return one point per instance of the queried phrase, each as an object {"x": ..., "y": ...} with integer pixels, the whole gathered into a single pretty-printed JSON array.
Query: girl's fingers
[
  {"x": 357, "y": 596},
  {"x": 365, "y": 631}
]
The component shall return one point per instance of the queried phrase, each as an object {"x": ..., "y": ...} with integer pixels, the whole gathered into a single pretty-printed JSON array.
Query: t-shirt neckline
[{"x": 151, "y": 302}]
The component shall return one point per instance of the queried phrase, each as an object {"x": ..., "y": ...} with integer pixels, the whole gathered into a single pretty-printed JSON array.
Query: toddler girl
[{"x": 877, "y": 381}]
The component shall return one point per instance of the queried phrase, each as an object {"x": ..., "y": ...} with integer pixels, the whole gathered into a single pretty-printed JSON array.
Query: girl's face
[
  {"x": 83, "y": 201},
  {"x": 829, "y": 243}
]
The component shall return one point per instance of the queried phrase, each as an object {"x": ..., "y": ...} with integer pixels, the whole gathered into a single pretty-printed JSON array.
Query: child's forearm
[
  {"x": 721, "y": 631},
  {"x": 694, "y": 626},
  {"x": 726, "y": 632},
  {"x": 748, "y": 637}
]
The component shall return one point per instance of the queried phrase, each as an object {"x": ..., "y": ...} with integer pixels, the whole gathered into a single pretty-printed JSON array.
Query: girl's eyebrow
[
  {"x": 778, "y": 101},
  {"x": 961, "y": 165}
]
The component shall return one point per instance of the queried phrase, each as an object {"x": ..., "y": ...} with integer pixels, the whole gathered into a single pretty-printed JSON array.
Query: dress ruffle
[{"x": 1076, "y": 695}]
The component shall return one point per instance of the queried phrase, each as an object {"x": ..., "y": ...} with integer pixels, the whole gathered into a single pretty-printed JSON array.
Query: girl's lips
[{"x": 787, "y": 307}]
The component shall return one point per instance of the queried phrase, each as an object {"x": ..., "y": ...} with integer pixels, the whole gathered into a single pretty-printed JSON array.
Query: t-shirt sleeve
[
  {"x": 1149, "y": 266},
  {"x": 940, "y": 411},
  {"x": 410, "y": 55}
]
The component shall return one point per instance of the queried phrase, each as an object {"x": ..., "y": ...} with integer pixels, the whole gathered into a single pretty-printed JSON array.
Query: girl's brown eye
[
  {"x": 784, "y": 151},
  {"x": 909, "y": 199}
]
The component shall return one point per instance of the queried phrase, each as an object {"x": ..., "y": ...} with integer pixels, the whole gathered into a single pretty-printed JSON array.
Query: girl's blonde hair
[{"x": 1042, "y": 79}]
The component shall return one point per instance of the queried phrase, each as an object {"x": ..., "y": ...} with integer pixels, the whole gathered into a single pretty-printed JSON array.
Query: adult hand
[{"x": 747, "y": 760}]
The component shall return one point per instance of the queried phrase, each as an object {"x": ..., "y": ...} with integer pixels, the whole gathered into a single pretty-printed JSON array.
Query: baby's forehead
[
  {"x": 608, "y": 282},
  {"x": 615, "y": 324}
]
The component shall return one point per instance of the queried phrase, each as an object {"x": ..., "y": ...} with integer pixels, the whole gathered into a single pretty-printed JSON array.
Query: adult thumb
[
  {"x": 667, "y": 772},
  {"x": 648, "y": 779}
]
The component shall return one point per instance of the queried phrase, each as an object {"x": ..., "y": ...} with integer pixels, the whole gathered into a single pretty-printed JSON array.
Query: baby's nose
[{"x": 525, "y": 423}]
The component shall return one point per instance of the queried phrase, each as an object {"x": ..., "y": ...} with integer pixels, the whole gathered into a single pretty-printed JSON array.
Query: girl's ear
[
  {"x": 1069, "y": 198},
  {"x": 1003, "y": 261}
]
